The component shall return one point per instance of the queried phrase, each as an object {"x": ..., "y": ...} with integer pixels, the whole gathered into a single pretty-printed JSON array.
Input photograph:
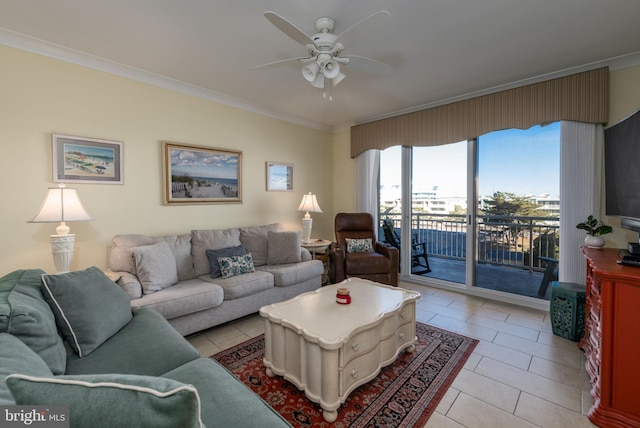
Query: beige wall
[
  {"x": 624, "y": 96},
  {"x": 40, "y": 96}
]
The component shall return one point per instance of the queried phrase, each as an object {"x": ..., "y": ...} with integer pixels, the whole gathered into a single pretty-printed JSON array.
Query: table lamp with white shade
[
  {"x": 309, "y": 204},
  {"x": 61, "y": 205}
]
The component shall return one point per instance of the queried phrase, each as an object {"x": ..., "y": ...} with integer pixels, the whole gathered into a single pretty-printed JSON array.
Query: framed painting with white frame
[
  {"x": 86, "y": 160},
  {"x": 199, "y": 174},
  {"x": 279, "y": 177}
]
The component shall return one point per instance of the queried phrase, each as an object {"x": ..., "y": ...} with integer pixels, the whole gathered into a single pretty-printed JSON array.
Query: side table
[
  {"x": 320, "y": 245},
  {"x": 567, "y": 310}
]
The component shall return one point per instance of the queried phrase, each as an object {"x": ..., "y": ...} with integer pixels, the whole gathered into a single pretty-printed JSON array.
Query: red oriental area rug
[{"x": 404, "y": 394}]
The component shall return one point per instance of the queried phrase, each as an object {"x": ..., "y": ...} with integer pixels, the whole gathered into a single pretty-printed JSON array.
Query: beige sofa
[{"x": 173, "y": 274}]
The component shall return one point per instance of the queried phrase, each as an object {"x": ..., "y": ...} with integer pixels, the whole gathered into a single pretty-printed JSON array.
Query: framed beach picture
[
  {"x": 279, "y": 177},
  {"x": 198, "y": 174},
  {"x": 86, "y": 160}
]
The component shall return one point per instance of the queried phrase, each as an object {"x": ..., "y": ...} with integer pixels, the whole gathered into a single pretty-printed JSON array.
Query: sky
[
  {"x": 203, "y": 163},
  {"x": 517, "y": 161}
]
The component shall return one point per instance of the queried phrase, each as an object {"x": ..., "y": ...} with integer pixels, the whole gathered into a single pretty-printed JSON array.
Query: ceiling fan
[{"x": 322, "y": 65}]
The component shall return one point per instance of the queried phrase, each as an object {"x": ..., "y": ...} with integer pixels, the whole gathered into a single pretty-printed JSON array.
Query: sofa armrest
[
  {"x": 393, "y": 255},
  {"x": 305, "y": 255},
  {"x": 130, "y": 284},
  {"x": 336, "y": 264}
]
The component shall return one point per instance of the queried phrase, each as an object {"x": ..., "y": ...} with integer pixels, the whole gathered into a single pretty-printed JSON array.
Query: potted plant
[{"x": 595, "y": 229}]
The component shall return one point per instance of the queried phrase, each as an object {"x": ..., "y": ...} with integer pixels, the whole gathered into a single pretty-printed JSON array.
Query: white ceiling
[{"x": 440, "y": 49}]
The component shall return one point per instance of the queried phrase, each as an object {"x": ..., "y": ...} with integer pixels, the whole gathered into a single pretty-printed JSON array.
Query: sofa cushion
[
  {"x": 113, "y": 400},
  {"x": 180, "y": 246},
  {"x": 121, "y": 260},
  {"x": 184, "y": 298},
  {"x": 25, "y": 314},
  {"x": 294, "y": 273},
  {"x": 214, "y": 255},
  {"x": 155, "y": 266},
  {"x": 16, "y": 357},
  {"x": 239, "y": 286},
  {"x": 203, "y": 240},
  {"x": 89, "y": 308},
  {"x": 147, "y": 345},
  {"x": 255, "y": 241},
  {"x": 238, "y": 406},
  {"x": 283, "y": 247},
  {"x": 236, "y": 265}
]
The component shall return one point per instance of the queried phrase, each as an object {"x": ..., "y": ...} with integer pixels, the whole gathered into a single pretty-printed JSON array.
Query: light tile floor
[{"x": 519, "y": 375}]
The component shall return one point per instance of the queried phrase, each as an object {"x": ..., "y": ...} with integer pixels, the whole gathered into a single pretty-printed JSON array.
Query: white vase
[{"x": 594, "y": 241}]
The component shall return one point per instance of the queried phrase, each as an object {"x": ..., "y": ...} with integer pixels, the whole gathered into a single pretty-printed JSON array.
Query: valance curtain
[{"x": 580, "y": 97}]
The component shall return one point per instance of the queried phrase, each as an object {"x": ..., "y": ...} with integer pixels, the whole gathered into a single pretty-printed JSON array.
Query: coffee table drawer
[
  {"x": 406, "y": 314},
  {"x": 393, "y": 345},
  {"x": 359, "y": 370},
  {"x": 360, "y": 343}
]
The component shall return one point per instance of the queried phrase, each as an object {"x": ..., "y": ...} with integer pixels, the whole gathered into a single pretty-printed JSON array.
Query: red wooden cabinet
[{"x": 611, "y": 339}]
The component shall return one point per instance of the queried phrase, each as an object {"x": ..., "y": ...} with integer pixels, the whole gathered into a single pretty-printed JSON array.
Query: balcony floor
[{"x": 500, "y": 278}]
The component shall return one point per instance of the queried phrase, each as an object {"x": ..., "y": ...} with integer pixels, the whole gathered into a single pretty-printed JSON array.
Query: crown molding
[{"x": 52, "y": 50}]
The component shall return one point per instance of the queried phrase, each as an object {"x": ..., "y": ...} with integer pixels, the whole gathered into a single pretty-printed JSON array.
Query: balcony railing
[{"x": 514, "y": 241}]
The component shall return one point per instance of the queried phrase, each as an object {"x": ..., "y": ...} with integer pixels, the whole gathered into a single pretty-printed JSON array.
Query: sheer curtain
[
  {"x": 581, "y": 154},
  {"x": 367, "y": 169}
]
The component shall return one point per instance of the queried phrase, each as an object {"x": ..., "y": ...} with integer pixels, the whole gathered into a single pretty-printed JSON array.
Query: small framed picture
[
  {"x": 279, "y": 177},
  {"x": 86, "y": 160},
  {"x": 198, "y": 174}
]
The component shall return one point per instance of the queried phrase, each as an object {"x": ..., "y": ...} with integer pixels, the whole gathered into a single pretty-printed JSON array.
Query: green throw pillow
[
  {"x": 16, "y": 357},
  {"x": 88, "y": 306},
  {"x": 236, "y": 265},
  {"x": 359, "y": 245},
  {"x": 25, "y": 314},
  {"x": 113, "y": 400}
]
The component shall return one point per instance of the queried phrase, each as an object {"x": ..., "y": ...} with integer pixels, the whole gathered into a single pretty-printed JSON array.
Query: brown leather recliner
[{"x": 381, "y": 265}]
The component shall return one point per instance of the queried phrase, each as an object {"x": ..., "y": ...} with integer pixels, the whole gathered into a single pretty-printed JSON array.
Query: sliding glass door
[
  {"x": 439, "y": 212},
  {"x": 484, "y": 212}
]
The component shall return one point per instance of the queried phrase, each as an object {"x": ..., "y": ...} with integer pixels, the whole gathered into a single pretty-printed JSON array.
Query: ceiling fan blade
[
  {"x": 368, "y": 65},
  {"x": 288, "y": 28},
  {"x": 281, "y": 62},
  {"x": 363, "y": 29}
]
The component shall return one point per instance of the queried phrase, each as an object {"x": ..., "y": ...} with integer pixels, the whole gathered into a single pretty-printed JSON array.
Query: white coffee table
[{"x": 327, "y": 349}]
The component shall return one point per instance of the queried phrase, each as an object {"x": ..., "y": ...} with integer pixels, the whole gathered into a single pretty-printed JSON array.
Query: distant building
[
  {"x": 429, "y": 201},
  {"x": 548, "y": 204}
]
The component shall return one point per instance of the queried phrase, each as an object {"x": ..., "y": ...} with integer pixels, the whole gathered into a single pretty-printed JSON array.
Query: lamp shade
[
  {"x": 61, "y": 205},
  {"x": 309, "y": 204}
]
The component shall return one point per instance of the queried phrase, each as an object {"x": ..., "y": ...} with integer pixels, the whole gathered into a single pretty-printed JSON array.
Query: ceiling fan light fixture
[
  {"x": 325, "y": 48},
  {"x": 331, "y": 69},
  {"x": 310, "y": 71},
  {"x": 318, "y": 82},
  {"x": 339, "y": 78}
]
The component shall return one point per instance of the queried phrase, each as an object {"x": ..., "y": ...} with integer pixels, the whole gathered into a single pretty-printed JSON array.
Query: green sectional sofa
[{"x": 73, "y": 340}]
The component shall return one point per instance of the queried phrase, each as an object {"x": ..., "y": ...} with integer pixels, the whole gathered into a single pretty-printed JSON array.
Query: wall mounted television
[{"x": 622, "y": 171}]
